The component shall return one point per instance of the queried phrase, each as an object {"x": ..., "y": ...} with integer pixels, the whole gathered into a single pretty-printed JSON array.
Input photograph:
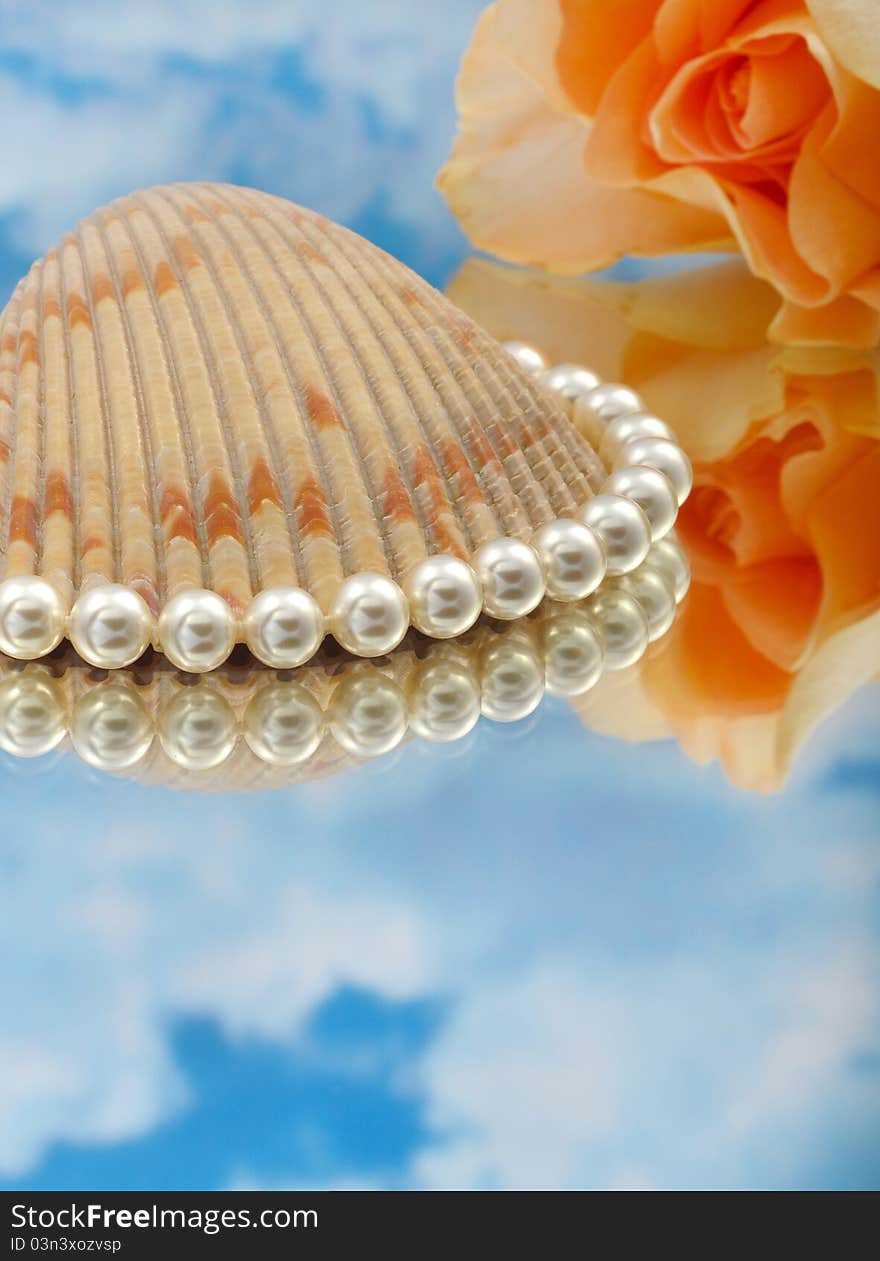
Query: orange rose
[
  {"x": 782, "y": 622},
  {"x": 594, "y": 128}
]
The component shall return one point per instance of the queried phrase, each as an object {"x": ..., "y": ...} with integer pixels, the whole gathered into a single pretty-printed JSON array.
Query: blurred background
[{"x": 539, "y": 958}]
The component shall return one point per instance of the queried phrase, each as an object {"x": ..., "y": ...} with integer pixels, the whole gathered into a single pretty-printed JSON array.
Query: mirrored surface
[{"x": 481, "y": 914}]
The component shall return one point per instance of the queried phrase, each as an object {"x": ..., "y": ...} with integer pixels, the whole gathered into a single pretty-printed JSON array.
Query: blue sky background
[{"x": 544, "y": 959}]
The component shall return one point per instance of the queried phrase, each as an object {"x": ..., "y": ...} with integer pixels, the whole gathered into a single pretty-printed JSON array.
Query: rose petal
[
  {"x": 845, "y": 662},
  {"x": 844, "y": 321},
  {"x": 852, "y": 32},
  {"x": 569, "y": 320},
  {"x": 516, "y": 179}
]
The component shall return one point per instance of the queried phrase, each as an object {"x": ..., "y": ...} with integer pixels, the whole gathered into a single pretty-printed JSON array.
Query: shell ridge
[
  {"x": 40, "y": 488},
  {"x": 505, "y": 413},
  {"x": 178, "y": 525},
  {"x": 486, "y": 512},
  {"x": 313, "y": 464},
  {"x": 525, "y": 479},
  {"x": 75, "y": 487},
  {"x": 22, "y": 508},
  {"x": 170, "y": 369},
  {"x": 57, "y": 506},
  {"x": 510, "y": 513},
  {"x": 244, "y": 553},
  {"x": 408, "y": 376},
  {"x": 414, "y": 527},
  {"x": 539, "y": 438},
  {"x": 267, "y": 542},
  {"x": 371, "y": 477},
  {"x": 9, "y": 433},
  {"x": 342, "y": 458},
  {"x": 146, "y": 443},
  {"x": 269, "y": 436},
  {"x": 96, "y": 510},
  {"x": 104, "y": 407},
  {"x": 327, "y": 482}
]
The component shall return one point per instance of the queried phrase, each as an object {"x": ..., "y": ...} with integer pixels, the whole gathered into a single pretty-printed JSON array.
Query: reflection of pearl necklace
[
  {"x": 648, "y": 477},
  {"x": 151, "y": 724}
]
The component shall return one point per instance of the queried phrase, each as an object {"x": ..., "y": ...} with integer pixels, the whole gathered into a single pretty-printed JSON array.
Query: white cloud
[
  {"x": 188, "y": 89},
  {"x": 647, "y": 1001}
]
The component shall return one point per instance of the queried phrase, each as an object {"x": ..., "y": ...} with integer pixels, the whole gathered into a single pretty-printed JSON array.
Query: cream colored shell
[{"x": 204, "y": 387}]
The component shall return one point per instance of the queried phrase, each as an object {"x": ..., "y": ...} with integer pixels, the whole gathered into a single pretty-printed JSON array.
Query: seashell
[
  {"x": 208, "y": 394},
  {"x": 246, "y": 728}
]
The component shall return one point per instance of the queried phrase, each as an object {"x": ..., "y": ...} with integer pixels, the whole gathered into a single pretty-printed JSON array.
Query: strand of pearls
[
  {"x": 648, "y": 477},
  {"x": 113, "y": 724}
]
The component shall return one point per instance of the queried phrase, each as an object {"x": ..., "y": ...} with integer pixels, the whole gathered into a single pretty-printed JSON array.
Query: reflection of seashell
[
  {"x": 225, "y": 419},
  {"x": 246, "y": 727}
]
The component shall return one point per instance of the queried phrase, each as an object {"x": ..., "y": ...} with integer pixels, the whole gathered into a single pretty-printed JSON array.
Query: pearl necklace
[
  {"x": 326, "y": 715},
  {"x": 648, "y": 477}
]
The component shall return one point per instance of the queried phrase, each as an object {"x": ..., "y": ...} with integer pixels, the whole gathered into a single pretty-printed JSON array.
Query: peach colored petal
[
  {"x": 571, "y": 320},
  {"x": 595, "y": 37},
  {"x": 845, "y": 662},
  {"x": 733, "y": 679},
  {"x": 844, "y": 524},
  {"x": 780, "y": 630},
  {"x": 844, "y": 150},
  {"x": 721, "y": 306},
  {"x": 517, "y": 184},
  {"x": 852, "y": 32},
  {"x": 618, "y": 150},
  {"x": 736, "y": 105},
  {"x": 846, "y": 320},
  {"x": 833, "y": 229},
  {"x": 711, "y": 398},
  {"x": 762, "y": 224},
  {"x": 686, "y": 28}
]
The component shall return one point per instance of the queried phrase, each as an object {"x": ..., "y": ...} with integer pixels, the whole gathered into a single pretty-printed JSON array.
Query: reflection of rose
[
  {"x": 593, "y": 128},
  {"x": 783, "y": 525}
]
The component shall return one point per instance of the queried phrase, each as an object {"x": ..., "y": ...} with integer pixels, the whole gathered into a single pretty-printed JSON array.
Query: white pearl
[
  {"x": 651, "y": 490},
  {"x": 528, "y": 358},
  {"x": 573, "y": 653},
  {"x": 197, "y": 728},
  {"x": 444, "y": 597},
  {"x": 368, "y": 715},
  {"x": 661, "y": 454},
  {"x": 623, "y": 429},
  {"x": 283, "y": 627},
  {"x": 569, "y": 380},
  {"x": 283, "y": 724},
  {"x": 32, "y": 617},
  {"x": 655, "y": 596},
  {"x": 370, "y": 615},
  {"x": 445, "y": 701},
  {"x": 622, "y": 625},
  {"x": 110, "y": 626},
  {"x": 623, "y": 529},
  {"x": 670, "y": 558},
  {"x": 573, "y": 558},
  {"x": 511, "y": 577},
  {"x": 32, "y": 719},
  {"x": 110, "y": 727},
  {"x": 197, "y": 631},
  {"x": 593, "y": 412},
  {"x": 512, "y": 680}
]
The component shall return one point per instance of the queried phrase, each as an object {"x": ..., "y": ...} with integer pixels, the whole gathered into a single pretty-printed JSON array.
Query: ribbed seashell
[
  {"x": 244, "y": 728},
  {"x": 204, "y": 387}
]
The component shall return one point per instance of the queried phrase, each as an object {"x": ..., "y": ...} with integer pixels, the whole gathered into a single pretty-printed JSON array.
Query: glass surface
[{"x": 626, "y": 938}]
